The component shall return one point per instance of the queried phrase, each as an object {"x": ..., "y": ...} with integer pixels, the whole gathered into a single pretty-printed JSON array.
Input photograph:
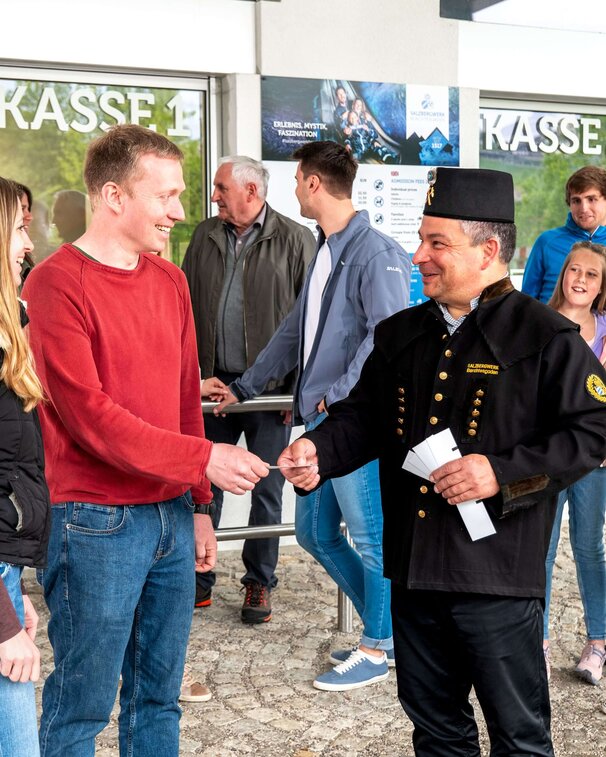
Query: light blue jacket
[
  {"x": 370, "y": 280},
  {"x": 548, "y": 255}
]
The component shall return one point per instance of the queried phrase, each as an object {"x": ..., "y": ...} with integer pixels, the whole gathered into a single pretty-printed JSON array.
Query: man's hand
[
  {"x": 322, "y": 407},
  {"x": 31, "y": 617},
  {"x": 229, "y": 399},
  {"x": 286, "y": 417},
  {"x": 213, "y": 389},
  {"x": 20, "y": 658},
  {"x": 234, "y": 469},
  {"x": 302, "y": 452},
  {"x": 470, "y": 477},
  {"x": 206, "y": 543}
]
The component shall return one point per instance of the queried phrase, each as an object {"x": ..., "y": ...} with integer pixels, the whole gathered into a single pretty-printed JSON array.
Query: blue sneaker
[
  {"x": 340, "y": 655},
  {"x": 356, "y": 671}
]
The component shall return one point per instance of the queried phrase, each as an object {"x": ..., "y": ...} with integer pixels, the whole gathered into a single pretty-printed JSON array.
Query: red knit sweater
[{"x": 116, "y": 353}]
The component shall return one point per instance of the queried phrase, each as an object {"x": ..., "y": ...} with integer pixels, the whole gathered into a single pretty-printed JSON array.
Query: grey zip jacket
[{"x": 370, "y": 280}]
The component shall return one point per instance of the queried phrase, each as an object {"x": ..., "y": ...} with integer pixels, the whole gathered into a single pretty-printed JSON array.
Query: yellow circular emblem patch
[{"x": 596, "y": 387}]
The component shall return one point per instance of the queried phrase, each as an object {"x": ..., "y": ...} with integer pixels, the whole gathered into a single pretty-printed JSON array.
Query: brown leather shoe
[{"x": 192, "y": 690}]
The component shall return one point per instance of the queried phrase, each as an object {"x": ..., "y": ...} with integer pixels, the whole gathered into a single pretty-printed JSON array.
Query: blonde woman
[
  {"x": 580, "y": 295},
  {"x": 24, "y": 499}
]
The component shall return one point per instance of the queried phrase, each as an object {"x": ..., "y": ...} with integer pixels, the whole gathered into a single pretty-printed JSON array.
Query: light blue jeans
[
  {"x": 120, "y": 589},
  {"x": 587, "y": 510},
  {"x": 356, "y": 499},
  {"x": 18, "y": 725}
]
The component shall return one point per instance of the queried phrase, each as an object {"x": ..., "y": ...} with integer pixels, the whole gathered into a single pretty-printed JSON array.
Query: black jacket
[
  {"x": 24, "y": 497},
  {"x": 274, "y": 271},
  {"x": 516, "y": 383}
]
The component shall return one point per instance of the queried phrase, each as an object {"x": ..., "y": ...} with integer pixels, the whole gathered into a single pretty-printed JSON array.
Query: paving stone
[{"x": 264, "y": 703}]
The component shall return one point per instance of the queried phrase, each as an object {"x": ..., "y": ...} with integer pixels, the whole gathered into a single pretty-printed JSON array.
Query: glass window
[
  {"x": 541, "y": 145},
  {"x": 46, "y": 124}
]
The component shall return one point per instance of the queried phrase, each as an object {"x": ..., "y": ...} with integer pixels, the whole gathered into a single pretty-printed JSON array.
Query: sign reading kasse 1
[{"x": 86, "y": 108}]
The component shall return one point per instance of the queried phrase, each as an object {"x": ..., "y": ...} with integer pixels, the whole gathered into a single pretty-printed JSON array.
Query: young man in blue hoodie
[{"x": 586, "y": 198}]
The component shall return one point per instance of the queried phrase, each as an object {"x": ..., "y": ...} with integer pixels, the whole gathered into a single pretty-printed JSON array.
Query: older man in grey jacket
[{"x": 245, "y": 268}]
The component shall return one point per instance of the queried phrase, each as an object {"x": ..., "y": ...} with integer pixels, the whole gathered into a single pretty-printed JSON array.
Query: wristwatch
[{"x": 208, "y": 509}]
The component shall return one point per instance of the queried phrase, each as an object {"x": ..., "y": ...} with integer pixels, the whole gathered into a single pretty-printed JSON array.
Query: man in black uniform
[{"x": 526, "y": 403}]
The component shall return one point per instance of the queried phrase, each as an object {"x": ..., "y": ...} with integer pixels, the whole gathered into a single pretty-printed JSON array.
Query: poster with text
[{"x": 380, "y": 123}]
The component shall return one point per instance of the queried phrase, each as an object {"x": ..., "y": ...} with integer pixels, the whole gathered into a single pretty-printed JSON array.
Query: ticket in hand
[{"x": 435, "y": 451}]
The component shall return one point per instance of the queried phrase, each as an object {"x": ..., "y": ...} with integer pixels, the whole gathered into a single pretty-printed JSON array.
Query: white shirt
[{"x": 317, "y": 283}]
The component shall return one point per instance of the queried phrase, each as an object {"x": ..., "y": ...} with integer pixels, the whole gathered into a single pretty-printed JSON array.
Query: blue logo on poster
[
  {"x": 379, "y": 185},
  {"x": 379, "y": 201},
  {"x": 379, "y": 218}
]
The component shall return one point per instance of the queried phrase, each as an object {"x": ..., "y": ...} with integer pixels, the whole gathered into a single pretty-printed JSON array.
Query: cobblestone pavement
[{"x": 261, "y": 676}]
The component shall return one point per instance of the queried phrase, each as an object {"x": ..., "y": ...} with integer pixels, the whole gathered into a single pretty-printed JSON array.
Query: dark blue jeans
[
  {"x": 266, "y": 436},
  {"x": 120, "y": 588}
]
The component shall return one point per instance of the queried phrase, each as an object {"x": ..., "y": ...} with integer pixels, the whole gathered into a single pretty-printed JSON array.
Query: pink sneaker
[{"x": 591, "y": 663}]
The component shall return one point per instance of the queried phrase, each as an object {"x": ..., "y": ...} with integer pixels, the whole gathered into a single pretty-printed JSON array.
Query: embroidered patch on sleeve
[
  {"x": 486, "y": 368},
  {"x": 596, "y": 387}
]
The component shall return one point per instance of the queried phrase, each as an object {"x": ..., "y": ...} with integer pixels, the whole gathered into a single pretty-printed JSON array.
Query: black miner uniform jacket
[{"x": 516, "y": 383}]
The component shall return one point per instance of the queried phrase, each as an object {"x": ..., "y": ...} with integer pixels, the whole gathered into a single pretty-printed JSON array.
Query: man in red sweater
[{"x": 127, "y": 462}]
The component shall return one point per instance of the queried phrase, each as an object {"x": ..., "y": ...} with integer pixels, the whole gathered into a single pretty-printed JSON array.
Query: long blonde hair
[{"x": 17, "y": 370}]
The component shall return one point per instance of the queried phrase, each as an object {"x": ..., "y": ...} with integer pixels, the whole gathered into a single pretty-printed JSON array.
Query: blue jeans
[
  {"x": 120, "y": 588},
  {"x": 355, "y": 498},
  {"x": 18, "y": 724},
  {"x": 587, "y": 510}
]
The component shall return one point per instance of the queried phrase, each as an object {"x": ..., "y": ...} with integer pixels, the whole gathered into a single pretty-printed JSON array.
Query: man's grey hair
[
  {"x": 481, "y": 231},
  {"x": 246, "y": 170}
]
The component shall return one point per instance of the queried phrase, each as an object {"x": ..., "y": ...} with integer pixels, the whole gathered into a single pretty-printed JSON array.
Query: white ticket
[{"x": 435, "y": 451}]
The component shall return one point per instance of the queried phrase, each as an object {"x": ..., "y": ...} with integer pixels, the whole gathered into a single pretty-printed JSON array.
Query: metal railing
[
  {"x": 278, "y": 402},
  {"x": 268, "y": 402}
]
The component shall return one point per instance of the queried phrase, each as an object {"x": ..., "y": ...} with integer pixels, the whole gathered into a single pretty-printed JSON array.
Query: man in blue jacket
[
  {"x": 358, "y": 277},
  {"x": 586, "y": 198}
]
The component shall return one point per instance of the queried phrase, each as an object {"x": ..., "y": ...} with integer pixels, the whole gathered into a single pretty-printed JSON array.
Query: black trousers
[
  {"x": 445, "y": 643},
  {"x": 266, "y": 436}
]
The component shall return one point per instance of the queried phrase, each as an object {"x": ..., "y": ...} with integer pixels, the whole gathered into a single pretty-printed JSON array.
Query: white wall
[
  {"x": 179, "y": 35},
  {"x": 496, "y": 57},
  {"x": 390, "y": 41}
]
